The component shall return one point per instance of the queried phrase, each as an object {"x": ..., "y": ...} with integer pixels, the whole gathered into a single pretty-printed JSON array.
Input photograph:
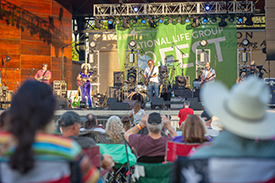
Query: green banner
[{"x": 180, "y": 42}]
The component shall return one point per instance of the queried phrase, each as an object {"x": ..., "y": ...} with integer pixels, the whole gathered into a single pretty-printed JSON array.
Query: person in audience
[
  {"x": 126, "y": 123},
  {"x": 242, "y": 112},
  {"x": 193, "y": 131},
  {"x": 184, "y": 112},
  {"x": 91, "y": 124},
  {"x": 152, "y": 144},
  {"x": 207, "y": 118},
  {"x": 25, "y": 140},
  {"x": 3, "y": 119},
  {"x": 69, "y": 127},
  {"x": 114, "y": 128},
  {"x": 137, "y": 112},
  {"x": 216, "y": 124}
]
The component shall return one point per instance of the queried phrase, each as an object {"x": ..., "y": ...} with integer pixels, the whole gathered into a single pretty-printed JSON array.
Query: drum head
[{"x": 139, "y": 96}]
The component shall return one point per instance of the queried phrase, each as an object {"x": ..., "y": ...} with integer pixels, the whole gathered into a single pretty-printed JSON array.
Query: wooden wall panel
[
  {"x": 13, "y": 63},
  {"x": 11, "y": 78},
  {"x": 25, "y": 73},
  {"x": 9, "y": 32},
  {"x": 42, "y": 6},
  {"x": 58, "y": 10},
  {"x": 56, "y": 63},
  {"x": 35, "y": 48},
  {"x": 34, "y": 61},
  {"x": 10, "y": 46}
]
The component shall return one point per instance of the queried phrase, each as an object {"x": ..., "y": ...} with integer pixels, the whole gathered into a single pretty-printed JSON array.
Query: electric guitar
[
  {"x": 82, "y": 81},
  {"x": 208, "y": 77},
  {"x": 76, "y": 100},
  {"x": 43, "y": 77}
]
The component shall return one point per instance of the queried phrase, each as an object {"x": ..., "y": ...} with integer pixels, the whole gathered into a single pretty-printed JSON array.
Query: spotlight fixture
[
  {"x": 245, "y": 42},
  {"x": 170, "y": 20},
  {"x": 205, "y": 19},
  {"x": 222, "y": 23},
  {"x": 98, "y": 23},
  {"x": 134, "y": 21},
  {"x": 242, "y": 6},
  {"x": 8, "y": 58},
  {"x": 240, "y": 19},
  {"x": 143, "y": 21},
  {"x": 161, "y": 20},
  {"x": 117, "y": 21},
  {"x": 152, "y": 23},
  {"x": 132, "y": 44},
  {"x": 110, "y": 23},
  {"x": 136, "y": 9},
  {"x": 231, "y": 19},
  {"x": 186, "y": 20},
  {"x": 207, "y": 7},
  {"x": 203, "y": 43},
  {"x": 249, "y": 20},
  {"x": 213, "y": 19},
  {"x": 179, "y": 20},
  {"x": 125, "y": 23},
  {"x": 196, "y": 22},
  {"x": 92, "y": 44}
]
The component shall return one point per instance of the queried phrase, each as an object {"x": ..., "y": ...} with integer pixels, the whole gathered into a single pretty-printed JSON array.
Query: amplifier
[{"x": 177, "y": 106}]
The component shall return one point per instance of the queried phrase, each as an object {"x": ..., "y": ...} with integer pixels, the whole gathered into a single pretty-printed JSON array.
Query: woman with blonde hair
[
  {"x": 114, "y": 128},
  {"x": 193, "y": 131},
  {"x": 137, "y": 112}
]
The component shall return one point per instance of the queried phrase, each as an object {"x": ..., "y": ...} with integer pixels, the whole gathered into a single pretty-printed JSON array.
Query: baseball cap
[
  {"x": 69, "y": 118},
  {"x": 154, "y": 118}
]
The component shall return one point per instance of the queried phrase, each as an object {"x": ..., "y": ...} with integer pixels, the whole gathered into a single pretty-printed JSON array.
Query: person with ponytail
[
  {"x": 26, "y": 141},
  {"x": 137, "y": 112}
]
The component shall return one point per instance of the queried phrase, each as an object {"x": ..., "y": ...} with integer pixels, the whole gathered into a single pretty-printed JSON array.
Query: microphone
[{"x": 32, "y": 68}]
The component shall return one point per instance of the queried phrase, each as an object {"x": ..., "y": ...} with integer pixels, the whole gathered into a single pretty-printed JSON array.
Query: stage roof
[{"x": 85, "y": 7}]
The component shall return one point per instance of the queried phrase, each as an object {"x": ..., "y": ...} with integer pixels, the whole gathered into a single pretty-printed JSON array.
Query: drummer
[{"x": 152, "y": 79}]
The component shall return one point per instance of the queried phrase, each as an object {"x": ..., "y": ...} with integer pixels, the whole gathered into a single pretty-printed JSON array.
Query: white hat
[
  {"x": 242, "y": 110},
  {"x": 86, "y": 64}
]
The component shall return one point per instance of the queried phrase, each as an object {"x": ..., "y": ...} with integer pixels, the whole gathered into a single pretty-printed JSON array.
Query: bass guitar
[
  {"x": 208, "y": 77},
  {"x": 82, "y": 81}
]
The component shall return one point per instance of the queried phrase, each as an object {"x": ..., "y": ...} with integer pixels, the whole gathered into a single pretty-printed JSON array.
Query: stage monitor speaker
[
  {"x": 196, "y": 94},
  {"x": 62, "y": 103},
  {"x": 119, "y": 106},
  {"x": 118, "y": 78},
  {"x": 110, "y": 101},
  {"x": 194, "y": 104},
  {"x": 130, "y": 102},
  {"x": 157, "y": 102}
]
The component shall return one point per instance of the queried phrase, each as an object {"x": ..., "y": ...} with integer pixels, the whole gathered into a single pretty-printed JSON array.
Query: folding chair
[
  {"x": 104, "y": 138},
  {"x": 175, "y": 149},
  {"x": 92, "y": 134},
  {"x": 122, "y": 156},
  {"x": 224, "y": 170}
]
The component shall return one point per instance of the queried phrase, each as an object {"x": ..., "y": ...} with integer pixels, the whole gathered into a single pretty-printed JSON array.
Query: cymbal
[{"x": 126, "y": 81}]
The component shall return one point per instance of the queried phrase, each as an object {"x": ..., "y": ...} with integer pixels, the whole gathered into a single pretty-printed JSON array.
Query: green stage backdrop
[{"x": 180, "y": 42}]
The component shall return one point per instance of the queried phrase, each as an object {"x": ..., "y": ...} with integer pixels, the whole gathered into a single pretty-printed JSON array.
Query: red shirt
[
  {"x": 183, "y": 114},
  {"x": 47, "y": 75}
]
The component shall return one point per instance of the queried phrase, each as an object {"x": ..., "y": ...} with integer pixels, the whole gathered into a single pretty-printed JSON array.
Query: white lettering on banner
[
  {"x": 141, "y": 44},
  {"x": 155, "y": 57},
  {"x": 151, "y": 43},
  {"x": 180, "y": 56},
  {"x": 187, "y": 36},
  {"x": 156, "y": 42},
  {"x": 205, "y": 32},
  {"x": 162, "y": 41},
  {"x": 162, "y": 53},
  {"x": 167, "y": 40},
  {"x": 175, "y": 40},
  {"x": 216, "y": 41}
]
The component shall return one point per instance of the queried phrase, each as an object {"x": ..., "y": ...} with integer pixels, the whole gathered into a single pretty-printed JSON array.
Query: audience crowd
[{"x": 235, "y": 123}]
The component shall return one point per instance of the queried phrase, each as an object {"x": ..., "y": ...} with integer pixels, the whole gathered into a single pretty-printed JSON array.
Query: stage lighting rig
[
  {"x": 170, "y": 20},
  {"x": 132, "y": 44},
  {"x": 161, "y": 20},
  {"x": 135, "y": 9},
  {"x": 203, "y": 43},
  {"x": 143, "y": 21},
  {"x": 93, "y": 44},
  {"x": 214, "y": 19},
  {"x": 196, "y": 21},
  {"x": 98, "y": 23},
  {"x": 186, "y": 20},
  {"x": 134, "y": 20},
  {"x": 152, "y": 23},
  {"x": 240, "y": 19},
  {"x": 179, "y": 20},
  {"x": 205, "y": 19},
  {"x": 231, "y": 19},
  {"x": 222, "y": 23},
  {"x": 207, "y": 7},
  {"x": 245, "y": 42},
  {"x": 248, "y": 20},
  {"x": 125, "y": 23},
  {"x": 110, "y": 23}
]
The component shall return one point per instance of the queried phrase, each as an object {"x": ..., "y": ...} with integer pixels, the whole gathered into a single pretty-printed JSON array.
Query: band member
[
  {"x": 152, "y": 79},
  {"x": 43, "y": 75},
  {"x": 208, "y": 74},
  {"x": 84, "y": 82}
]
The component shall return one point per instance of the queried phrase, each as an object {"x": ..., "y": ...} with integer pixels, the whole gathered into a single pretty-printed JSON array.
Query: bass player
[
  {"x": 43, "y": 75},
  {"x": 84, "y": 81},
  {"x": 152, "y": 79},
  {"x": 208, "y": 74}
]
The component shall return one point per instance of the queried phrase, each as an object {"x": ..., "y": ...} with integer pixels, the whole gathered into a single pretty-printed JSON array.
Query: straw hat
[
  {"x": 242, "y": 110},
  {"x": 86, "y": 64}
]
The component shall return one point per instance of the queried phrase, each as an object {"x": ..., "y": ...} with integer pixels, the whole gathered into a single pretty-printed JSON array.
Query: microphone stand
[{"x": 30, "y": 74}]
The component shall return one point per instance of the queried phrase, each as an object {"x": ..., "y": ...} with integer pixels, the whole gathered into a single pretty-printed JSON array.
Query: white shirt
[
  {"x": 93, "y": 129},
  {"x": 205, "y": 73},
  {"x": 155, "y": 71},
  {"x": 137, "y": 116}
]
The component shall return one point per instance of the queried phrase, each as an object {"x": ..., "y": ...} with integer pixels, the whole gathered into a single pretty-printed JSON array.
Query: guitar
[
  {"x": 43, "y": 77},
  {"x": 76, "y": 100},
  {"x": 148, "y": 79},
  {"x": 82, "y": 81},
  {"x": 208, "y": 77}
]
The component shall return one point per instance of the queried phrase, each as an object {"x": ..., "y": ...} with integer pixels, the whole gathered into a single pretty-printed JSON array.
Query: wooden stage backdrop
[{"x": 32, "y": 33}]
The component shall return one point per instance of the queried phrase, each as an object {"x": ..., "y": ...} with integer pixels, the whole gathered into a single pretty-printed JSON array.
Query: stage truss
[{"x": 176, "y": 8}]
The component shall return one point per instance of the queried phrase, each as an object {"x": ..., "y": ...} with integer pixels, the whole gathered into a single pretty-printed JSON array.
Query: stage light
[
  {"x": 240, "y": 19},
  {"x": 8, "y": 58},
  {"x": 222, "y": 23},
  {"x": 203, "y": 43},
  {"x": 186, "y": 20},
  {"x": 214, "y": 19},
  {"x": 245, "y": 42},
  {"x": 143, "y": 21},
  {"x": 170, "y": 20},
  {"x": 117, "y": 21},
  {"x": 126, "y": 24},
  {"x": 196, "y": 22},
  {"x": 248, "y": 20},
  {"x": 161, "y": 20},
  {"x": 110, "y": 23},
  {"x": 134, "y": 21},
  {"x": 152, "y": 23},
  {"x": 231, "y": 19},
  {"x": 207, "y": 7},
  {"x": 93, "y": 44},
  {"x": 205, "y": 20},
  {"x": 148, "y": 105},
  {"x": 242, "y": 6},
  {"x": 98, "y": 23},
  {"x": 179, "y": 20},
  {"x": 132, "y": 44},
  {"x": 136, "y": 9}
]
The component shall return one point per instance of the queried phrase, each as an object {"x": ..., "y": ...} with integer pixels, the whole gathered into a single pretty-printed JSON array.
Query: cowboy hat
[
  {"x": 86, "y": 64},
  {"x": 242, "y": 110}
]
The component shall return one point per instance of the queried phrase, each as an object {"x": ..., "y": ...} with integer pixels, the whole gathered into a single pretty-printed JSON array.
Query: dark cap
[
  {"x": 206, "y": 115},
  {"x": 69, "y": 118},
  {"x": 154, "y": 118}
]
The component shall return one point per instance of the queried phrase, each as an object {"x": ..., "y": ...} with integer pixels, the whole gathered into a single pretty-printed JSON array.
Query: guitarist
[
  {"x": 43, "y": 75},
  {"x": 151, "y": 79},
  {"x": 84, "y": 78},
  {"x": 208, "y": 74}
]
